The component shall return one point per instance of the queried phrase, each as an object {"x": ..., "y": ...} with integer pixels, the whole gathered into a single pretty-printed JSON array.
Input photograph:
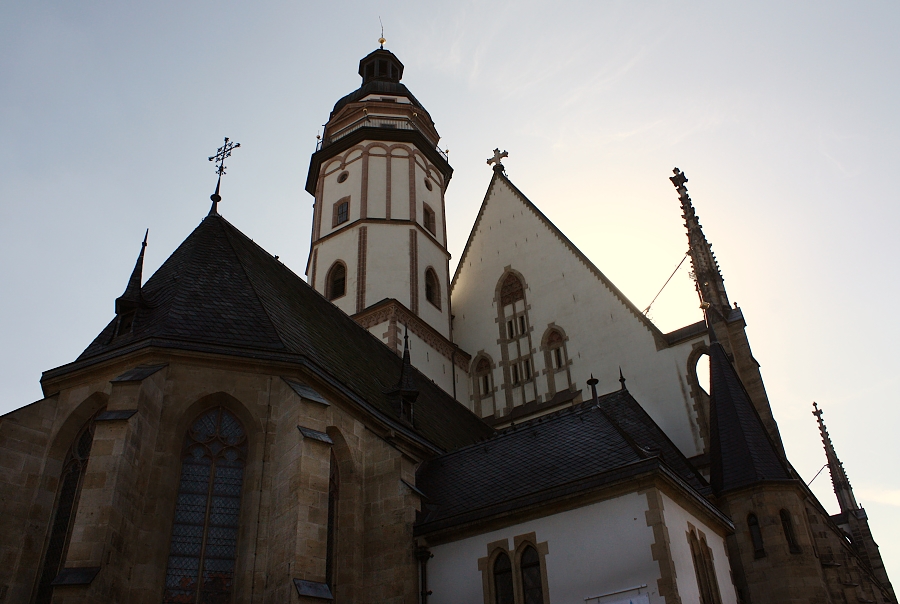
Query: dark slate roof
[
  {"x": 219, "y": 291},
  {"x": 741, "y": 452},
  {"x": 579, "y": 448},
  {"x": 376, "y": 87}
]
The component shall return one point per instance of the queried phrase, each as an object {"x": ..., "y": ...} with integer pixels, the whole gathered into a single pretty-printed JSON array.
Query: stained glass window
[
  {"x": 204, "y": 535},
  {"x": 66, "y": 505},
  {"x": 503, "y": 580},
  {"x": 532, "y": 587}
]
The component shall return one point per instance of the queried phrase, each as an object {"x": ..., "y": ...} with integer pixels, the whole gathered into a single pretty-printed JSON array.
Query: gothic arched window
[
  {"x": 204, "y": 534},
  {"x": 756, "y": 536},
  {"x": 532, "y": 587},
  {"x": 66, "y": 504},
  {"x": 788, "y": 528},
  {"x": 336, "y": 282},
  {"x": 483, "y": 392},
  {"x": 519, "y": 385},
  {"x": 704, "y": 570},
  {"x": 503, "y": 580},
  {"x": 432, "y": 288}
]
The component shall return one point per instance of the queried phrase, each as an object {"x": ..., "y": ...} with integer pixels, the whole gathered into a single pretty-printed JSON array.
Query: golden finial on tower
[{"x": 381, "y": 40}]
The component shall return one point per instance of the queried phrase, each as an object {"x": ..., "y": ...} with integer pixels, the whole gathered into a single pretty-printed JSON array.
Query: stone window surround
[
  {"x": 520, "y": 543},
  {"x": 704, "y": 569},
  {"x": 514, "y": 348},
  {"x": 476, "y": 395},
  {"x": 550, "y": 370}
]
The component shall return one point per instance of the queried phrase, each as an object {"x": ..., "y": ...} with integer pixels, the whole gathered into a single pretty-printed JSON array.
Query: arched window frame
[
  {"x": 432, "y": 288},
  {"x": 520, "y": 569},
  {"x": 330, "y": 281},
  {"x": 503, "y": 579},
  {"x": 704, "y": 569},
  {"x": 787, "y": 526},
  {"x": 556, "y": 360},
  {"x": 519, "y": 375},
  {"x": 226, "y": 448},
  {"x": 68, "y": 495},
  {"x": 759, "y": 550},
  {"x": 483, "y": 385}
]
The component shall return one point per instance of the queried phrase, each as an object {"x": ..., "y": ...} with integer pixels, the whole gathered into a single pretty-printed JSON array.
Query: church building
[{"x": 382, "y": 430}]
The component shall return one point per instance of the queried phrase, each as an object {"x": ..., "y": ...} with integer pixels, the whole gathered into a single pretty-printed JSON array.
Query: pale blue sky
[{"x": 783, "y": 115}]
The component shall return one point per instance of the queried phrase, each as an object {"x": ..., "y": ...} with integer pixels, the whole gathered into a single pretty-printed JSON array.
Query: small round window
[
  {"x": 343, "y": 176},
  {"x": 428, "y": 184}
]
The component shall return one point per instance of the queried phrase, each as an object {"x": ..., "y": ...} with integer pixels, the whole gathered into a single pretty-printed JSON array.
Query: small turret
[
  {"x": 404, "y": 393},
  {"x": 839, "y": 479},
  {"x": 131, "y": 299}
]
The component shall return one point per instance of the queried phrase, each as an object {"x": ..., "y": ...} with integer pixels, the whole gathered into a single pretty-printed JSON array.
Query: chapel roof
[
  {"x": 220, "y": 292},
  {"x": 741, "y": 451},
  {"x": 580, "y": 448}
]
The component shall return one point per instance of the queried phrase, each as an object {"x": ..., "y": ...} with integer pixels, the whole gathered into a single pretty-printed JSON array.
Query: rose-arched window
[
  {"x": 204, "y": 534},
  {"x": 66, "y": 504}
]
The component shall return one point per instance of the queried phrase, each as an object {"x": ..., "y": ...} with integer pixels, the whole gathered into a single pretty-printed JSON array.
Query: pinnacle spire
[
  {"x": 131, "y": 298},
  {"x": 839, "y": 479},
  {"x": 708, "y": 276}
]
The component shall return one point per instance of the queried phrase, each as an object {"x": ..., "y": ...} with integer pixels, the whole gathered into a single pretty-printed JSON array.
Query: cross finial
[
  {"x": 221, "y": 153},
  {"x": 498, "y": 167}
]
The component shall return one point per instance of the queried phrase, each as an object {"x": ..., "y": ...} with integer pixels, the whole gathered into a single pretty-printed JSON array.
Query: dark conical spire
[
  {"x": 406, "y": 384},
  {"x": 839, "y": 479},
  {"x": 132, "y": 299},
  {"x": 404, "y": 394},
  {"x": 710, "y": 284},
  {"x": 741, "y": 451}
]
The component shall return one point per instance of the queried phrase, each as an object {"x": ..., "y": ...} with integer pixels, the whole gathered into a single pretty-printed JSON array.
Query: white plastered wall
[
  {"x": 603, "y": 334},
  {"x": 596, "y": 549},
  {"x": 677, "y": 520}
]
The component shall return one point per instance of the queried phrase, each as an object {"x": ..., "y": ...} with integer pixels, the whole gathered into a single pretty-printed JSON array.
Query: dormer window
[{"x": 125, "y": 323}]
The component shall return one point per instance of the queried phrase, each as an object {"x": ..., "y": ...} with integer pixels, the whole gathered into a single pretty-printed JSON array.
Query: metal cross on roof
[
  {"x": 221, "y": 153},
  {"x": 496, "y": 159}
]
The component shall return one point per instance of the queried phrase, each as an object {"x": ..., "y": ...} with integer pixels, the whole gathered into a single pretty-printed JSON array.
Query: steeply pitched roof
[
  {"x": 500, "y": 177},
  {"x": 576, "y": 449},
  {"x": 741, "y": 451},
  {"x": 221, "y": 292}
]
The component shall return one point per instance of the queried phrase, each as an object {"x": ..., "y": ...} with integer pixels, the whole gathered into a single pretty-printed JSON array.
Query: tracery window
[
  {"x": 515, "y": 336},
  {"x": 756, "y": 536},
  {"x": 432, "y": 288},
  {"x": 484, "y": 387},
  {"x": 556, "y": 360},
  {"x": 336, "y": 282},
  {"x": 503, "y": 580},
  {"x": 532, "y": 587},
  {"x": 204, "y": 535},
  {"x": 70, "y": 483},
  {"x": 788, "y": 528}
]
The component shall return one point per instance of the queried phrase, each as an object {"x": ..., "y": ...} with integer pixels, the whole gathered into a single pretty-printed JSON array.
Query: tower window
[
  {"x": 341, "y": 211},
  {"x": 428, "y": 219},
  {"x": 759, "y": 550},
  {"x": 432, "y": 288},
  {"x": 336, "y": 284},
  {"x": 343, "y": 176},
  {"x": 788, "y": 528}
]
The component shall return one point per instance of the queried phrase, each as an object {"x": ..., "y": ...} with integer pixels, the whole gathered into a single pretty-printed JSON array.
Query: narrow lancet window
[
  {"x": 532, "y": 584},
  {"x": 64, "y": 515},
  {"x": 503, "y": 580},
  {"x": 788, "y": 528},
  {"x": 756, "y": 536}
]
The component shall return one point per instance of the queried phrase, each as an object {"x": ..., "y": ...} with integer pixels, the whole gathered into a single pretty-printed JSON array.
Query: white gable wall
[{"x": 603, "y": 334}]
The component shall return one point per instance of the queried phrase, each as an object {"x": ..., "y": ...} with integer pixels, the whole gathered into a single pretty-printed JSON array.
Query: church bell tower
[{"x": 378, "y": 177}]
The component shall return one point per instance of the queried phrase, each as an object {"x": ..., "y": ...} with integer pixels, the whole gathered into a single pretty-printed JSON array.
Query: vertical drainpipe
[
  {"x": 453, "y": 370},
  {"x": 423, "y": 556}
]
